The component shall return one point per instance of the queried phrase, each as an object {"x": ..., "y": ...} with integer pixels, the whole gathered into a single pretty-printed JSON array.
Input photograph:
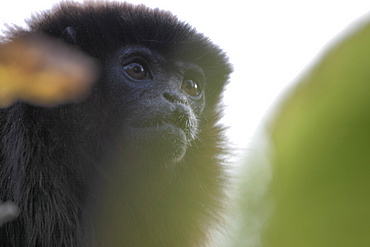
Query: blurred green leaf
[{"x": 321, "y": 136}]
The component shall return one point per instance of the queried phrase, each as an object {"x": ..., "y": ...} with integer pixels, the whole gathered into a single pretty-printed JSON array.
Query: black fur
[{"x": 80, "y": 176}]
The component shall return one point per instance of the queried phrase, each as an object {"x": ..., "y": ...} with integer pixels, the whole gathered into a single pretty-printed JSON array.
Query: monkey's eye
[
  {"x": 191, "y": 87},
  {"x": 137, "y": 71}
]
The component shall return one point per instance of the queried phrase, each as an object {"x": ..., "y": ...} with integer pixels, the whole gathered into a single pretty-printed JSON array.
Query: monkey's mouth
[
  {"x": 186, "y": 125},
  {"x": 182, "y": 122},
  {"x": 162, "y": 123}
]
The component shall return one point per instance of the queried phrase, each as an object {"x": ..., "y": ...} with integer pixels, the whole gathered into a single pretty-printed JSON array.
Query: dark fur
[{"x": 58, "y": 164}]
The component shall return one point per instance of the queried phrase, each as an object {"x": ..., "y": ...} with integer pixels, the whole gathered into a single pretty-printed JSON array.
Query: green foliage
[{"x": 321, "y": 165}]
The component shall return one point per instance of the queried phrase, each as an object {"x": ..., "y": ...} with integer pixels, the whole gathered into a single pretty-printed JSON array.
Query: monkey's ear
[{"x": 69, "y": 35}]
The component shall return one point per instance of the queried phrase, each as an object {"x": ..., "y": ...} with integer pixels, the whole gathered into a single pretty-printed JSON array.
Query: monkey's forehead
[
  {"x": 106, "y": 25},
  {"x": 101, "y": 28}
]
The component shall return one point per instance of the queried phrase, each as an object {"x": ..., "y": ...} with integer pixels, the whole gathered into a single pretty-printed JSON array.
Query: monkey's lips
[
  {"x": 173, "y": 125},
  {"x": 159, "y": 125},
  {"x": 157, "y": 141}
]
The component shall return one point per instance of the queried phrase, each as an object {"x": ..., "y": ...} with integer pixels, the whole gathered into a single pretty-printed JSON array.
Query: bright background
[{"x": 269, "y": 42}]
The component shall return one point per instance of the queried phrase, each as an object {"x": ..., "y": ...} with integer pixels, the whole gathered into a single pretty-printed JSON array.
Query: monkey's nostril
[
  {"x": 169, "y": 97},
  {"x": 174, "y": 98}
]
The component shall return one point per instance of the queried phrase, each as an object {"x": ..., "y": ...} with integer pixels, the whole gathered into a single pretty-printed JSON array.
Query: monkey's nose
[{"x": 175, "y": 97}]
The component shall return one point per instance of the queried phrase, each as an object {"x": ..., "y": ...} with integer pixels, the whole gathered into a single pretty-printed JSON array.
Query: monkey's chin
[{"x": 164, "y": 143}]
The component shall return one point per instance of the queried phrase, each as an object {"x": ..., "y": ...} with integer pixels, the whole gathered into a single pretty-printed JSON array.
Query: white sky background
[{"x": 269, "y": 42}]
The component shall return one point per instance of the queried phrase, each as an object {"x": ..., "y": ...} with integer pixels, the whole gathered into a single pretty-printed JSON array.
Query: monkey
[{"x": 140, "y": 161}]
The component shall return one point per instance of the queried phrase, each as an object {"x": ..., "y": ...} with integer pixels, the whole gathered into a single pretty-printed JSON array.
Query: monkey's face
[{"x": 158, "y": 102}]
